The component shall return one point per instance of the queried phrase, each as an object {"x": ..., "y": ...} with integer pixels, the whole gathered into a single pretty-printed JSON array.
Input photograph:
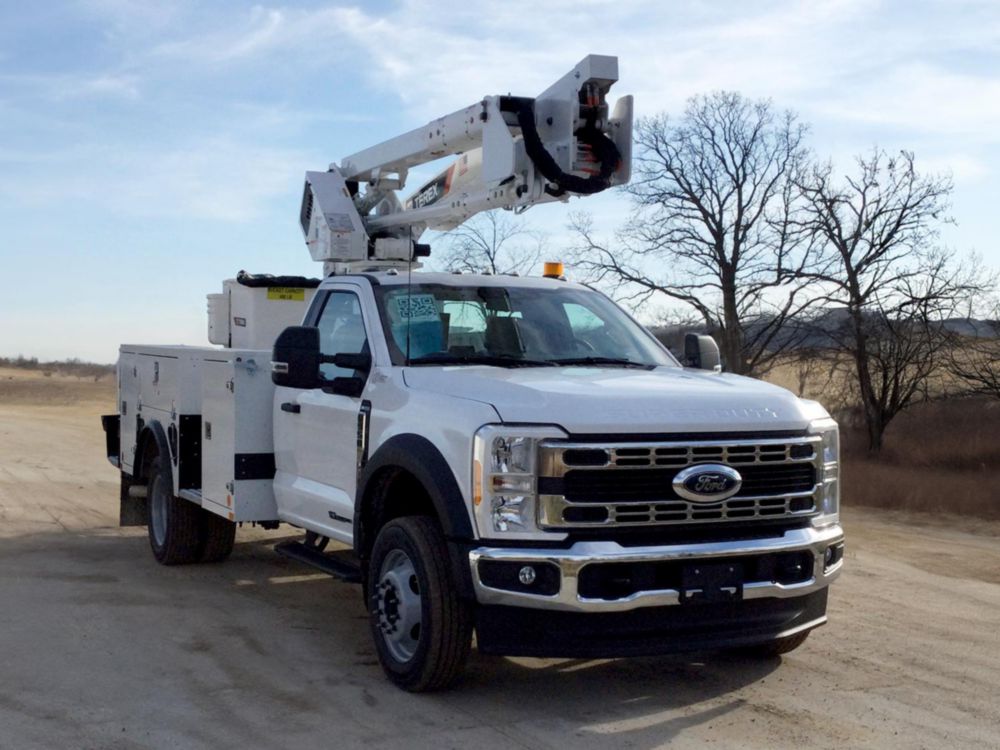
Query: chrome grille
[
  {"x": 628, "y": 484},
  {"x": 646, "y": 485}
]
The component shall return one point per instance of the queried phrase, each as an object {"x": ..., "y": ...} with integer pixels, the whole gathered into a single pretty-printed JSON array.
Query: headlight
[
  {"x": 829, "y": 497},
  {"x": 504, "y": 484}
]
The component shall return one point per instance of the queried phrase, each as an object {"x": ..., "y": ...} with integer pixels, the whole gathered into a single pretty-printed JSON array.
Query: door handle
[{"x": 291, "y": 408}]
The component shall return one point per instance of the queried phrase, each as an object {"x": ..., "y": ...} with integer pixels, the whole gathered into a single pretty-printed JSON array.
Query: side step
[{"x": 341, "y": 564}]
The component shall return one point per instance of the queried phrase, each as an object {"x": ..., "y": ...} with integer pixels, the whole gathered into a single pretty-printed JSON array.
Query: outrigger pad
[{"x": 267, "y": 280}]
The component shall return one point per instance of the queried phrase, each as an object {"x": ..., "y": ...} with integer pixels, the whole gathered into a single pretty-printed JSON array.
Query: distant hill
[
  {"x": 821, "y": 331},
  {"x": 973, "y": 328}
]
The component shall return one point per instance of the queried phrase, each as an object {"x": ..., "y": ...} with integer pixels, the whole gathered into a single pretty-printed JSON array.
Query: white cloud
[
  {"x": 923, "y": 98},
  {"x": 66, "y": 86},
  {"x": 840, "y": 59},
  {"x": 311, "y": 36},
  {"x": 220, "y": 179},
  {"x": 126, "y": 86},
  {"x": 965, "y": 169},
  {"x": 839, "y": 62}
]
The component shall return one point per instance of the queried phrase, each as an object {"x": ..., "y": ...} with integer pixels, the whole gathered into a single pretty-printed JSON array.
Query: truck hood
[{"x": 618, "y": 400}]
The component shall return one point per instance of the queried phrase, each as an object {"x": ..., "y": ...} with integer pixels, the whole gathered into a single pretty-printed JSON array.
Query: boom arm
[{"x": 515, "y": 152}]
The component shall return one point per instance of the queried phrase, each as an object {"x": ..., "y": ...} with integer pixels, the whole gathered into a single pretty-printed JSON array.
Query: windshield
[{"x": 512, "y": 327}]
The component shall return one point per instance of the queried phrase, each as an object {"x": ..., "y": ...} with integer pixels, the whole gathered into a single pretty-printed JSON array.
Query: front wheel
[
  {"x": 779, "y": 646},
  {"x": 422, "y": 630}
]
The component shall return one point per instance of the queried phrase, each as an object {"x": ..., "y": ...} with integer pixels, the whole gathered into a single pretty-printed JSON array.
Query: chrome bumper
[{"x": 572, "y": 560}]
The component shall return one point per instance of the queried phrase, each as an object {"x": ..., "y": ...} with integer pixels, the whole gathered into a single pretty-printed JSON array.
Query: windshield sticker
[{"x": 416, "y": 308}]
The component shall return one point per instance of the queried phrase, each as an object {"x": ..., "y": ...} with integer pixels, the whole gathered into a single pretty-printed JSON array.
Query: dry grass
[
  {"x": 49, "y": 388},
  {"x": 939, "y": 457}
]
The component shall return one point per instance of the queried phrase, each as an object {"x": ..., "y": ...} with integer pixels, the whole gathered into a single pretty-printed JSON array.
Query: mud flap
[{"x": 132, "y": 511}]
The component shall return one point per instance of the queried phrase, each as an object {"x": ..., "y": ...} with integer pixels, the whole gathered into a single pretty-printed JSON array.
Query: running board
[
  {"x": 340, "y": 564},
  {"x": 193, "y": 495}
]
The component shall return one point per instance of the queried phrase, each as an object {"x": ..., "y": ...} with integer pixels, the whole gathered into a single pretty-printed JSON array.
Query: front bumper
[{"x": 570, "y": 563}]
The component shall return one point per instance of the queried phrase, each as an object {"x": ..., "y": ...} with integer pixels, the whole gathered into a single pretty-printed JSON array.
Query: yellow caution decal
[{"x": 295, "y": 294}]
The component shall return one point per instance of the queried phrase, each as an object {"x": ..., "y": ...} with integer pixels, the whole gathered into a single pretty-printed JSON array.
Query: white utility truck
[{"x": 515, "y": 458}]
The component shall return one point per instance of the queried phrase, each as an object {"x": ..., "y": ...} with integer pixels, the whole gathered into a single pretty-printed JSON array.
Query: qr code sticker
[{"x": 416, "y": 308}]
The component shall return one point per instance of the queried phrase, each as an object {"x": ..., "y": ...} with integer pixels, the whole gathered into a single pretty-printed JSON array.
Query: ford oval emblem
[{"x": 707, "y": 483}]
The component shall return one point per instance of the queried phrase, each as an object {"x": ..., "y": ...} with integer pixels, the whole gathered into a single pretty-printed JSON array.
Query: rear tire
[
  {"x": 422, "y": 630},
  {"x": 217, "y": 535},
  {"x": 173, "y": 522}
]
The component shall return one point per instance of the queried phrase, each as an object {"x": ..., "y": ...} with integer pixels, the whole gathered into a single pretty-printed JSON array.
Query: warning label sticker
[
  {"x": 295, "y": 294},
  {"x": 339, "y": 222}
]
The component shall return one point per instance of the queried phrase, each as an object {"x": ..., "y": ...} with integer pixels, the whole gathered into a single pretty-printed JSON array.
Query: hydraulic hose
[{"x": 603, "y": 148}]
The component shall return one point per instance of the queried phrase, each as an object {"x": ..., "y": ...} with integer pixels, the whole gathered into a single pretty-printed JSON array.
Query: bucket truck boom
[{"x": 514, "y": 152}]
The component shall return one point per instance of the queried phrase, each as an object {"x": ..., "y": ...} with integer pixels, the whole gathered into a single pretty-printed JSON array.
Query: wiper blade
[
  {"x": 620, "y": 362},
  {"x": 495, "y": 360}
]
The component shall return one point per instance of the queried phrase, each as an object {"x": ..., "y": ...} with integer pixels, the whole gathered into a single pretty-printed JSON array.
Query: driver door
[{"x": 322, "y": 428}]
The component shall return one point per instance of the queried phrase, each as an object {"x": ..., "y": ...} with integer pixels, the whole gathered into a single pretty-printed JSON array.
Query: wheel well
[
  {"x": 147, "y": 451},
  {"x": 391, "y": 493},
  {"x": 152, "y": 442}
]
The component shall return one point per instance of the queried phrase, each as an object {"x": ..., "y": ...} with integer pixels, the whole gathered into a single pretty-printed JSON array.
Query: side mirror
[
  {"x": 362, "y": 361},
  {"x": 295, "y": 360},
  {"x": 347, "y": 386},
  {"x": 701, "y": 352},
  {"x": 352, "y": 387}
]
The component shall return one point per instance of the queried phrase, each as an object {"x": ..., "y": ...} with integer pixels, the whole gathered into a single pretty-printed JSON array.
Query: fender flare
[
  {"x": 154, "y": 431},
  {"x": 420, "y": 457}
]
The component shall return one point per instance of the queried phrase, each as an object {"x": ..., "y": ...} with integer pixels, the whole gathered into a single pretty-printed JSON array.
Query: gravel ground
[{"x": 100, "y": 647}]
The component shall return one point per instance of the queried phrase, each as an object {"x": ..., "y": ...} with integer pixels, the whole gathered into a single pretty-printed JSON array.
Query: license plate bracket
[{"x": 711, "y": 582}]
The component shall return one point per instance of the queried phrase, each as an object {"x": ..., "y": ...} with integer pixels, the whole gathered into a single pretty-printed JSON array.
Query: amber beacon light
[{"x": 553, "y": 270}]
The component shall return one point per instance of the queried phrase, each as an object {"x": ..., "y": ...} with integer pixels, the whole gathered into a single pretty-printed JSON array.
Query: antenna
[{"x": 409, "y": 295}]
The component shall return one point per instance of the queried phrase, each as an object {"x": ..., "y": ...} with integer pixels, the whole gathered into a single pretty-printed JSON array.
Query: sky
[{"x": 149, "y": 150}]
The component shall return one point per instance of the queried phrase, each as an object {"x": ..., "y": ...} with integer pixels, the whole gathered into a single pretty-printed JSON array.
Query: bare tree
[
  {"x": 974, "y": 361},
  {"x": 825, "y": 372},
  {"x": 496, "y": 242},
  {"x": 880, "y": 228},
  {"x": 714, "y": 196}
]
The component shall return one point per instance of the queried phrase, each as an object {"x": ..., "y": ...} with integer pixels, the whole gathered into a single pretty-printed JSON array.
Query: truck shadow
[
  {"x": 639, "y": 702},
  {"x": 261, "y": 631},
  {"x": 633, "y": 700}
]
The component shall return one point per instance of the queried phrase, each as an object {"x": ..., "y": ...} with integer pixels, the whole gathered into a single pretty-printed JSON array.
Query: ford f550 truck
[{"x": 512, "y": 458}]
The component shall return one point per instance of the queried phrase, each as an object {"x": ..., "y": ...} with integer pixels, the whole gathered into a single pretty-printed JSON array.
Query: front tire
[
  {"x": 780, "y": 646},
  {"x": 173, "y": 522},
  {"x": 422, "y": 630}
]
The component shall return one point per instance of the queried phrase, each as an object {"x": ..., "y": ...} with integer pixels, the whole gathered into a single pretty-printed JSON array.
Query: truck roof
[{"x": 400, "y": 277}]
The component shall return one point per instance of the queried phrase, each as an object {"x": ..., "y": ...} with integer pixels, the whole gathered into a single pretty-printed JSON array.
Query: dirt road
[{"x": 100, "y": 647}]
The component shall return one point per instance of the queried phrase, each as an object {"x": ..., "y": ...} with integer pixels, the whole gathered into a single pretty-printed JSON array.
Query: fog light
[
  {"x": 538, "y": 578},
  {"x": 833, "y": 555}
]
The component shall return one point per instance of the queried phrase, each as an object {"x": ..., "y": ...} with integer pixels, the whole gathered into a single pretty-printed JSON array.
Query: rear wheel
[
  {"x": 217, "y": 535},
  {"x": 422, "y": 630},
  {"x": 173, "y": 523}
]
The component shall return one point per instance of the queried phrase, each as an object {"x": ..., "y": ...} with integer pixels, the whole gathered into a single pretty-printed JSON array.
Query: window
[
  {"x": 511, "y": 326},
  {"x": 341, "y": 331},
  {"x": 581, "y": 319}
]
